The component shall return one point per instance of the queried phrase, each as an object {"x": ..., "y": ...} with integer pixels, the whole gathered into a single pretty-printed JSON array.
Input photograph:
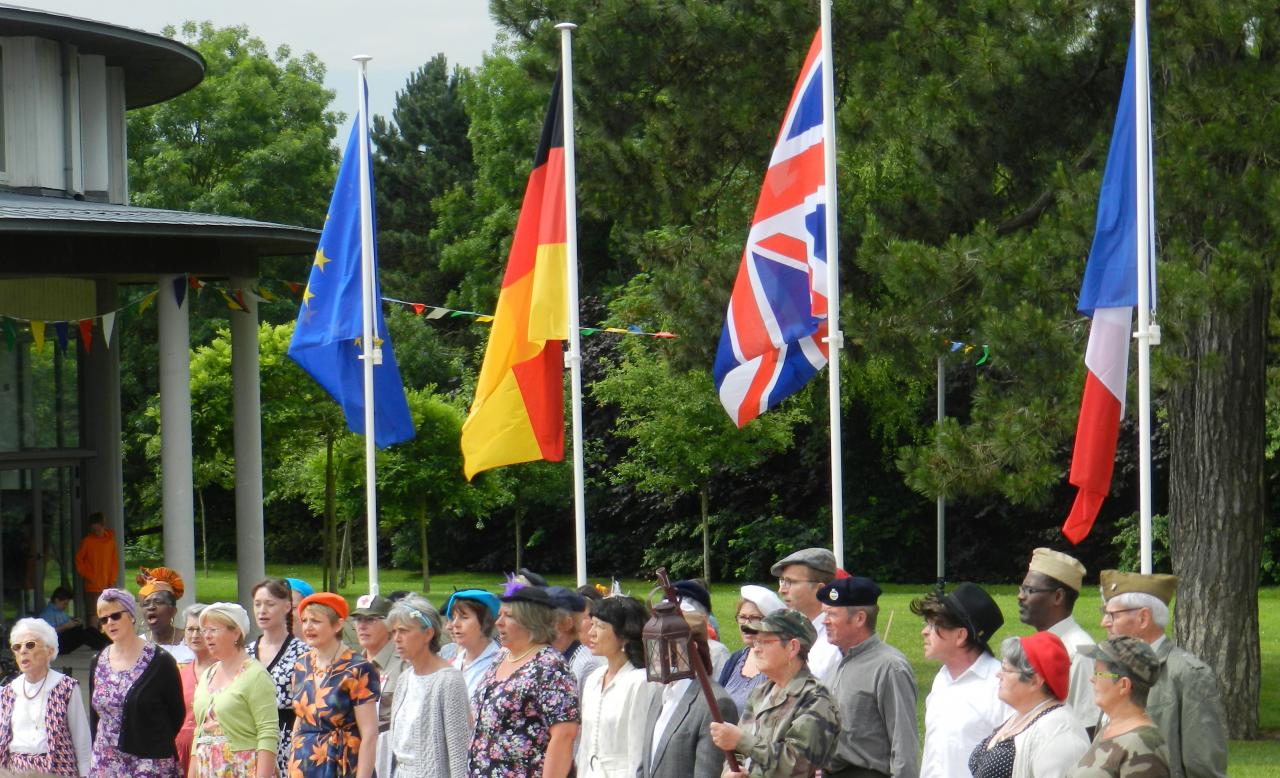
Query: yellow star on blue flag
[{"x": 330, "y": 319}]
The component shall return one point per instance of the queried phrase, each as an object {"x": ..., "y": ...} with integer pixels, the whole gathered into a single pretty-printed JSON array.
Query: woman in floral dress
[
  {"x": 278, "y": 651},
  {"x": 136, "y": 698},
  {"x": 335, "y": 698},
  {"x": 527, "y": 704}
]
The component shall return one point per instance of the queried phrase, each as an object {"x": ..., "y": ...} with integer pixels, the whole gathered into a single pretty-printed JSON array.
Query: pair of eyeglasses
[
  {"x": 1106, "y": 614},
  {"x": 787, "y": 583},
  {"x": 30, "y": 645},
  {"x": 112, "y": 616},
  {"x": 1105, "y": 674},
  {"x": 1027, "y": 591}
]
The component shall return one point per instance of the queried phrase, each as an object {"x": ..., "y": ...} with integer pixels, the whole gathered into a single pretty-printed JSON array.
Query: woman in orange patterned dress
[{"x": 335, "y": 698}]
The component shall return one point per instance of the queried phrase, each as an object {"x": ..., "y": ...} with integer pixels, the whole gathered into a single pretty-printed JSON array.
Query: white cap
[{"x": 764, "y": 599}]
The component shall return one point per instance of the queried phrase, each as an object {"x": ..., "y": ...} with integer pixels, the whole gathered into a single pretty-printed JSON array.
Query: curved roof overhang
[
  {"x": 55, "y": 236},
  {"x": 155, "y": 67}
]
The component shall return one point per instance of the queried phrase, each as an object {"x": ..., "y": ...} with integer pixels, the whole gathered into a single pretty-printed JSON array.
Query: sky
[{"x": 401, "y": 36}]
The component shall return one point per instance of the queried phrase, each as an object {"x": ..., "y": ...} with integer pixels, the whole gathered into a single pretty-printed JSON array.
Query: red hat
[
  {"x": 334, "y": 601},
  {"x": 1049, "y": 658}
]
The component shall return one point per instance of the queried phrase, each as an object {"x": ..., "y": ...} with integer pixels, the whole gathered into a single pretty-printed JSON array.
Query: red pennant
[
  {"x": 294, "y": 286},
  {"x": 86, "y": 334},
  {"x": 418, "y": 308},
  {"x": 239, "y": 295},
  {"x": 195, "y": 282}
]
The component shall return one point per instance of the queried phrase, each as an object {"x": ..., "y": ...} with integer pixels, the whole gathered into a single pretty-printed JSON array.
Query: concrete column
[
  {"x": 175, "y": 435},
  {"x": 102, "y": 476},
  {"x": 247, "y": 413}
]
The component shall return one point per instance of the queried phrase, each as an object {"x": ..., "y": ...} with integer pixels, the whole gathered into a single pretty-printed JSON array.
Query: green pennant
[
  {"x": 10, "y": 334},
  {"x": 986, "y": 352}
]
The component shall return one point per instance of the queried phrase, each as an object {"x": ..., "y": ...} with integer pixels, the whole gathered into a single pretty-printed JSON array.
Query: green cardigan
[{"x": 245, "y": 708}]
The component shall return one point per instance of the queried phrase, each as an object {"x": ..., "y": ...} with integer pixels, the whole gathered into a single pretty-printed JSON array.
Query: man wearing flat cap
[
  {"x": 1046, "y": 601},
  {"x": 1184, "y": 701},
  {"x": 800, "y": 576},
  {"x": 790, "y": 726},
  {"x": 571, "y": 613},
  {"x": 873, "y": 685},
  {"x": 964, "y": 706}
]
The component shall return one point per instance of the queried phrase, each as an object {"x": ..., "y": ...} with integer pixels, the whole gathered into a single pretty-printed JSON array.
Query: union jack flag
[{"x": 772, "y": 341}]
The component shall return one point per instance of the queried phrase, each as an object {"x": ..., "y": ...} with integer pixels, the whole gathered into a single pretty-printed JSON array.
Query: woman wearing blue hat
[{"x": 472, "y": 615}]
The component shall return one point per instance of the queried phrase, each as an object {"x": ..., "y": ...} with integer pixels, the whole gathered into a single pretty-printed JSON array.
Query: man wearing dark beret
[{"x": 873, "y": 686}]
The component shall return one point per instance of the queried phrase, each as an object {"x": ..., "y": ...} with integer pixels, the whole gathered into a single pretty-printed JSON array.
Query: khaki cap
[
  {"x": 1058, "y": 566},
  {"x": 819, "y": 559},
  {"x": 788, "y": 624},
  {"x": 1157, "y": 584}
]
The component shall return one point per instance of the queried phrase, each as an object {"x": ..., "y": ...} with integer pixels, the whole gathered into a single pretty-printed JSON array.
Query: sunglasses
[
  {"x": 112, "y": 616},
  {"x": 30, "y": 645}
]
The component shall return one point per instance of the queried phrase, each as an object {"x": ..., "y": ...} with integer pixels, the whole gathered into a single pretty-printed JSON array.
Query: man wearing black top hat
[
  {"x": 963, "y": 707},
  {"x": 873, "y": 686}
]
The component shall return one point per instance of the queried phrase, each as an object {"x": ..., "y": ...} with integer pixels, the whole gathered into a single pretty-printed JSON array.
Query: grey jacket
[
  {"x": 1186, "y": 706},
  {"x": 685, "y": 749}
]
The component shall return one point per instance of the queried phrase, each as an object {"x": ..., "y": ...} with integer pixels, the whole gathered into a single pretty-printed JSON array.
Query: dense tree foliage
[{"x": 971, "y": 141}]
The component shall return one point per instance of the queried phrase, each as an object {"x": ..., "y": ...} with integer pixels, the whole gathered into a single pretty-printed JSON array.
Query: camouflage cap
[
  {"x": 786, "y": 623},
  {"x": 1161, "y": 586},
  {"x": 1132, "y": 654},
  {"x": 819, "y": 559}
]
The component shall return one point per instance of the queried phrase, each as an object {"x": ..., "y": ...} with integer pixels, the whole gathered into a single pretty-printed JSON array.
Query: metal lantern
[{"x": 666, "y": 644}]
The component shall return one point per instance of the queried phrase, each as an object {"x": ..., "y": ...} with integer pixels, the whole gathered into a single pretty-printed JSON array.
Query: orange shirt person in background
[{"x": 98, "y": 563}]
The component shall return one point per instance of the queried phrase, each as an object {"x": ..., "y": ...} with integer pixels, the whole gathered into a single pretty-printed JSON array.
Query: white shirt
[
  {"x": 1080, "y": 686},
  {"x": 671, "y": 694},
  {"x": 823, "y": 657},
  {"x": 720, "y": 654},
  {"x": 1050, "y": 747},
  {"x": 612, "y": 741},
  {"x": 958, "y": 714},
  {"x": 29, "y": 735},
  {"x": 473, "y": 670}
]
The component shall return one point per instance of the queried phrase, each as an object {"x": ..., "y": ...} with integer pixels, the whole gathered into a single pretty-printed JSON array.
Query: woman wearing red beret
[{"x": 1041, "y": 739}]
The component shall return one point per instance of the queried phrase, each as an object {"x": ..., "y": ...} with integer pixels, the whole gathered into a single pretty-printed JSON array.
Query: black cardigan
[{"x": 153, "y": 709}]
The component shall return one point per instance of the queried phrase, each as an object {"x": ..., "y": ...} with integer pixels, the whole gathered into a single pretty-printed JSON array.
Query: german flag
[{"x": 518, "y": 411}]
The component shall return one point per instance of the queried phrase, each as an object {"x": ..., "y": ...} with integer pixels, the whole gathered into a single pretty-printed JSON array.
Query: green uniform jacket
[
  {"x": 789, "y": 737},
  {"x": 1185, "y": 705}
]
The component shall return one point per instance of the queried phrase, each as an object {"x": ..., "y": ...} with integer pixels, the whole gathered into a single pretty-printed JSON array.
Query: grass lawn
[{"x": 1248, "y": 759}]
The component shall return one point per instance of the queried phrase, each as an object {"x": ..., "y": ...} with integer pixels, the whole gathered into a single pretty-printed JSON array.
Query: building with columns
[{"x": 69, "y": 242}]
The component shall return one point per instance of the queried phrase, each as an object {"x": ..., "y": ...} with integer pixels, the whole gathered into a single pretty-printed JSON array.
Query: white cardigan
[{"x": 1050, "y": 747}]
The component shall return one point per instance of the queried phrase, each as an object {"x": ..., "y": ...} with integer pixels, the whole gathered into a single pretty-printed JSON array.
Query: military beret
[
  {"x": 1158, "y": 585},
  {"x": 819, "y": 559},
  {"x": 787, "y": 624},
  {"x": 851, "y": 591},
  {"x": 692, "y": 590},
  {"x": 567, "y": 599},
  {"x": 1058, "y": 566}
]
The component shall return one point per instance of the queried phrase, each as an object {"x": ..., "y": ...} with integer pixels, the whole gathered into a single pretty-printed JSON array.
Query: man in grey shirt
[{"x": 873, "y": 686}]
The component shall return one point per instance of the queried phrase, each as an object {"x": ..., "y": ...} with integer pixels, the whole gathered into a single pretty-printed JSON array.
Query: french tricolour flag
[
  {"x": 772, "y": 342},
  {"x": 1108, "y": 296}
]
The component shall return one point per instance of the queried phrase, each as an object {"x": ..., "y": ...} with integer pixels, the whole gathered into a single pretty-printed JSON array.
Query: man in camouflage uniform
[
  {"x": 790, "y": 726},
  {"x": 1131, "y": 744},
  {"x": 1184, "y": 701}
]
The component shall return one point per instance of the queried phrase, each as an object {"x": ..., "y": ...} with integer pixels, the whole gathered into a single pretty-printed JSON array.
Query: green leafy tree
[
  {"x": 254, "y": 139},
  {"x": 681, "y": 436},
  {"x": 421, "y": 153},
  {"x": 421, "y": 481}
]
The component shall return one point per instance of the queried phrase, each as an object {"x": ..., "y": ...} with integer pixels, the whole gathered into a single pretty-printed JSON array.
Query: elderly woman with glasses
[
  {"x": 136, "y": 698},
  {"x": 43, "y": 725},
  {"x": 1041, "y": 739},
  {"x": 190, "y": 674},
  {"x": 741, "y": 674},
  {"x": 429, "y": 735},
  {"x": 235, "y": 703},
  {"x": 1130, "y": 743}
]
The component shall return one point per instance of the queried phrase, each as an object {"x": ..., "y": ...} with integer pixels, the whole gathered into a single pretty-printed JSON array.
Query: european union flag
[{"x": 326, "y": 340}]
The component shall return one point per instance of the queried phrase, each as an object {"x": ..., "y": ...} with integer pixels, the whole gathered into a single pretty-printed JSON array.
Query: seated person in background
[{"x": 72, "y": 633}]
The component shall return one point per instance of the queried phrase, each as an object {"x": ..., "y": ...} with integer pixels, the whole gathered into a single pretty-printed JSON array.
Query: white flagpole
[
  {"x": 372, "y": 354},
  {"x": 1144, "y": 335},
  {"x": 835, "y": 338},
  {"x": 574, "y": 356}
]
